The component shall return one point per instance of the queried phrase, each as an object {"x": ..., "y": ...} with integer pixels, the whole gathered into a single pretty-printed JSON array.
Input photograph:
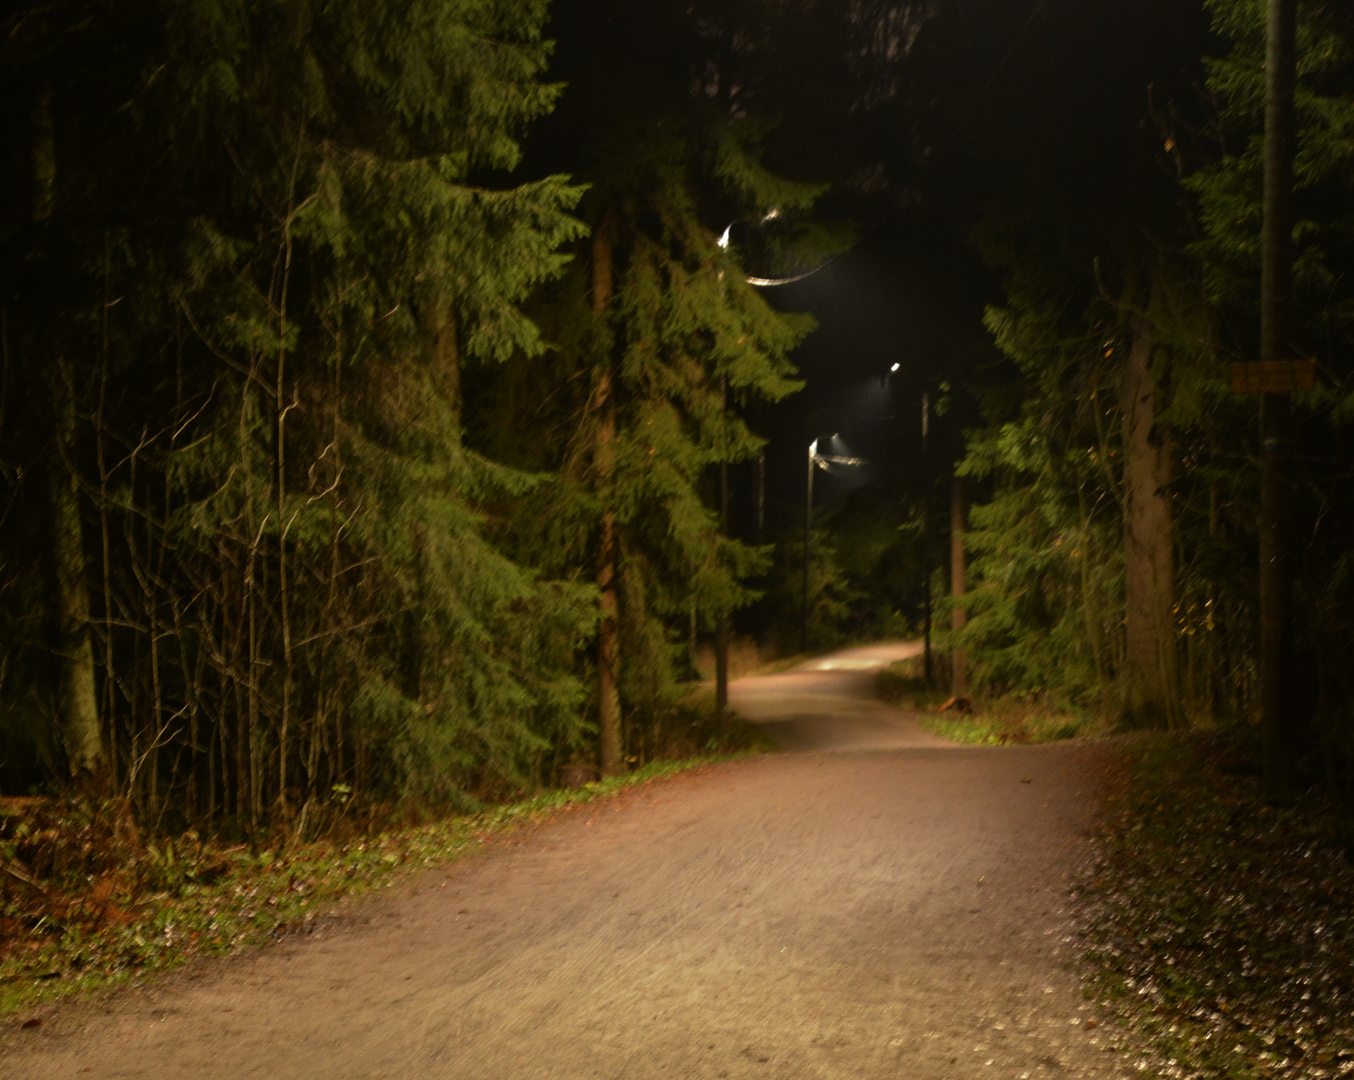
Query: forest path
[
  {"x": 829, "y": 703},
  {"x": 892, "y": 913}
]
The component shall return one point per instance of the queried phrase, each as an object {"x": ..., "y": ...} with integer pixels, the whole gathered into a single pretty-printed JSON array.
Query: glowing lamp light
[
  {"x": 764, "y": 282},
  {"x": 895, "y": 367}
]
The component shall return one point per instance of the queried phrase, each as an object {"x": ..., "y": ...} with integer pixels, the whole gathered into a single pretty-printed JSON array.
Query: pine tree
[
  {"x": 659, "y": 340},
  {"x": 288, "y": 245}
]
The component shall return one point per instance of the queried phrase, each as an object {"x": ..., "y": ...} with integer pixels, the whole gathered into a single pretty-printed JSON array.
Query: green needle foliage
[
  {"x": 1045, "y": 569},
  {"x": 1049, "y": 586},
  {"x": 271, "y": 239},
  {"x": 660, "y": 344},
  {"x": 313, "y": 428}
]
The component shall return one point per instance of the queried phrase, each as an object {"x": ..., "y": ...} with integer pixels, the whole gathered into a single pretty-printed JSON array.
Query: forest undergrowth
[
  {"x": 88, "y": 903},
  {"x": 1218, "y": 926},
  {"x": 982, "y": 720}
]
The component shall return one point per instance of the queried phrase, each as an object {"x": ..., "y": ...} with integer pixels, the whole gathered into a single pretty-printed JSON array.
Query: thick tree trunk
[
  {"x": 441, "y": 352},
  {"x": 44, "y": 157},
  {"x": 1149, "y": 679},
  {"x": 78, "y": 706},
  {"x": 761, "y": 497},
  {"x": 441, "y": 357},
  {"x": 1089, "y": 606},
  {"x": 958, "y": 617},
  {"x": 604, "y": 461}
]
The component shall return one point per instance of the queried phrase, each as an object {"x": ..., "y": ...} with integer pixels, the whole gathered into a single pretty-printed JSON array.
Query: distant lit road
[
  {"x": 893, "y": 912},
  {"x": 829, "y": 703}
]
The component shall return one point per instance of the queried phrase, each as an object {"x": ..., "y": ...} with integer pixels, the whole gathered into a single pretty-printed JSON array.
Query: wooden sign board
[{"x": 1274, "y": 377}]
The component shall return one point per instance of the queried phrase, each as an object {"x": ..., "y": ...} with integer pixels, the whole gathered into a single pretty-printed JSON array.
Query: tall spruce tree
[
  {"x": 272, "y": 242},
  {"x": 659, "y": 340},
  {"x": 1086, "y": 229}
]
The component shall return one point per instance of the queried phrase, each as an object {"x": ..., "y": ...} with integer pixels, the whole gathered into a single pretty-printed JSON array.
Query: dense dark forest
[{"x": 378, "y": 377}]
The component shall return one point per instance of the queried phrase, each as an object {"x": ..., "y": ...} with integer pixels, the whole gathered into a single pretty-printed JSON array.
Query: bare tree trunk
[
  {"x": 604, "y": 460},
  {"x": 722, "y": 627},
  {"x": 250, "y": 759},
  {"x": 761, "y": 497},
  {"x": 105, "y": 539},
  {"x": 44, "y": 157},
  {"x": 1150, "y": 678},
  {"x": 441, "y": 351},
  {"x": 78, "y": 708},
  {"x": 958, "y": 617},
  {"x": 283, "y": 523},
  {"x": 78, "y": 705},
  {"x": 1094, "y": 638}
]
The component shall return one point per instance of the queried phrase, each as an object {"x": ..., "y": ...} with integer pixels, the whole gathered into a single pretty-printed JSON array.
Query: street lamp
[
  {"x": 826, "y": 463},
  {"x": 764, "y": 282}
]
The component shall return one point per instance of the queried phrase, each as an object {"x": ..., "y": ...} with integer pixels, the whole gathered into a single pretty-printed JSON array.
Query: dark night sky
[
  {"x": 914, "y": 299},
  {"x": 1040, "y": 104}
]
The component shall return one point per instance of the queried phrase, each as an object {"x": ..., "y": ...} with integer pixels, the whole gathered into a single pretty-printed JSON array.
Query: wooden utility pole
[
  {"x": 1276, "y": 422},
  {"x": 1274, "y": 377}
]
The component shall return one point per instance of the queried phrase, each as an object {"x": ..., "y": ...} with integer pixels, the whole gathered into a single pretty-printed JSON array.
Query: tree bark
[
  {"x": 761, "y": 497},
  {"x": 604, "y": 461},
  {"x": 44, "y": 157},
  {"x": 1150, "y": 679},
  {"x": 958, "y": 616},
  {"x": 1089, "y": 607},
  {"x": 808, "y": 546},
  {"x": 441, "y": 352},
  {"x": 722, "y": 626},
  {"x": 77, "y": 703}
]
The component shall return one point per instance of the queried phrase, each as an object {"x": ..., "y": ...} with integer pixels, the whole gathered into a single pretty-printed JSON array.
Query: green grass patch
[
  {"x": 982, "y": 721},
  {"x": 988, "y": 727},
  {"x": 150, "y": 907},
  {"x": 1220, "y": 927}
]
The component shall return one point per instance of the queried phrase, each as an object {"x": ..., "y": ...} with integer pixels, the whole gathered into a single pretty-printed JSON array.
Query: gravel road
[{"x": 876, "y": 903}]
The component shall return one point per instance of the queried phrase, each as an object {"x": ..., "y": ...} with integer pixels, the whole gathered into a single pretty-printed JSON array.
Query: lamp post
[
  {"x": 761, "y": 283},
  {"x": 826, "y": 462}
]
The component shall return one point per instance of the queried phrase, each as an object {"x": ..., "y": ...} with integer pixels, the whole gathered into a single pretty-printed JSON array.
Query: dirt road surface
[{"x": 878, "y": 904}]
